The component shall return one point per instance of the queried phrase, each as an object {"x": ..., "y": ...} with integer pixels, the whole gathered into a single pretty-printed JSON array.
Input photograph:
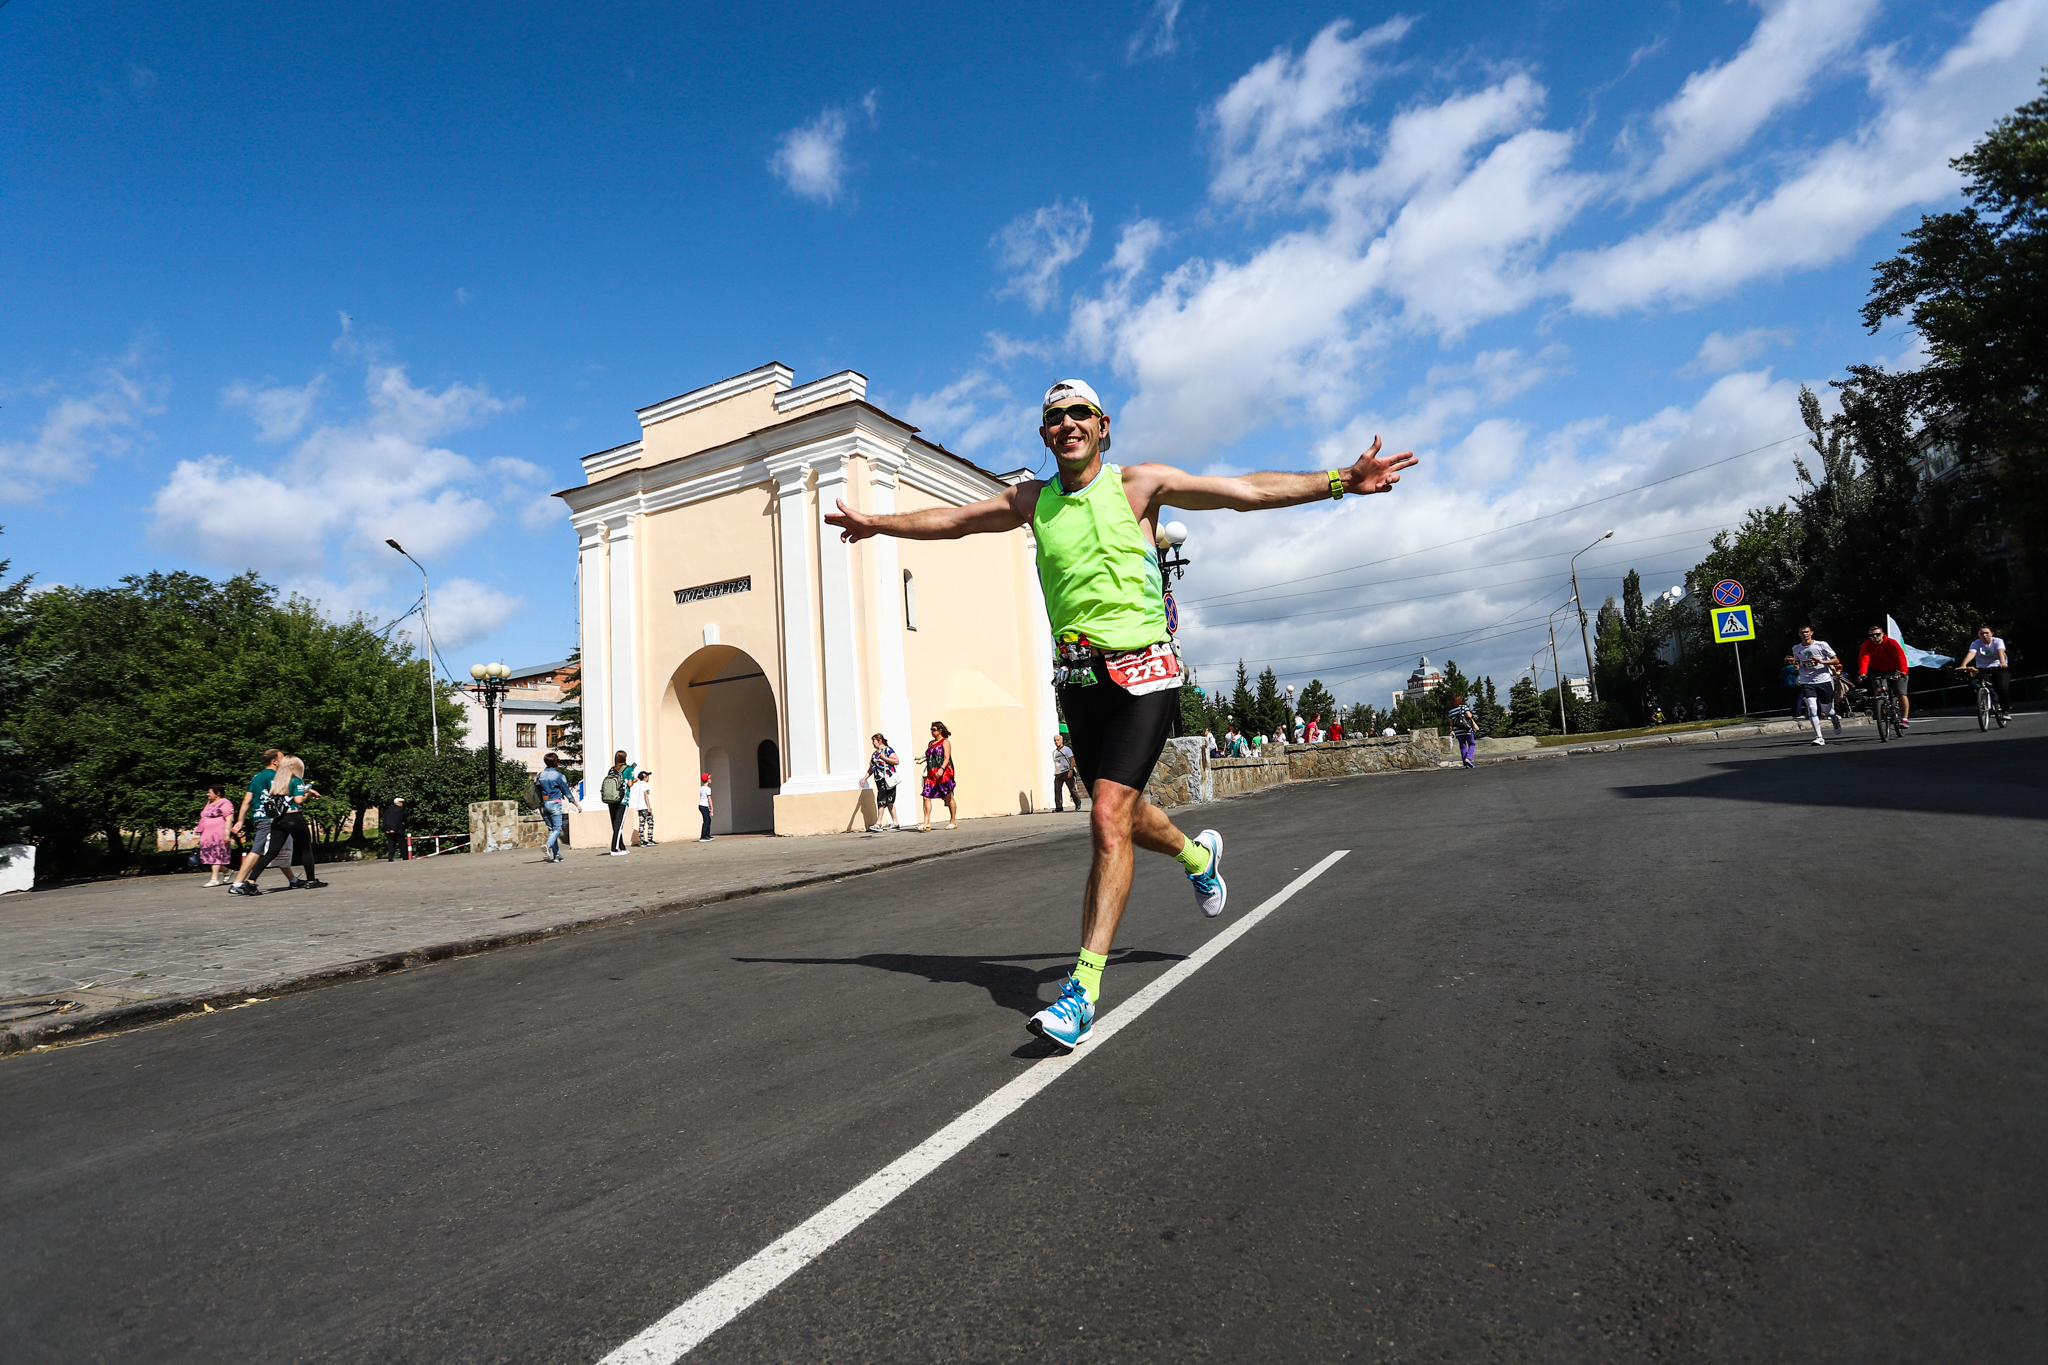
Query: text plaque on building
[{"x": 704, "y": 592}]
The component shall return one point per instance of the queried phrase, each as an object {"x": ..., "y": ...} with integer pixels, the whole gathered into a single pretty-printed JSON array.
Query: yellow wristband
[{"x": 1336, "y": 485}]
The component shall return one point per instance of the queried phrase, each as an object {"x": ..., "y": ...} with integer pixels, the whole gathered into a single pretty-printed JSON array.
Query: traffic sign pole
[{"x": 1742, "y": 688}]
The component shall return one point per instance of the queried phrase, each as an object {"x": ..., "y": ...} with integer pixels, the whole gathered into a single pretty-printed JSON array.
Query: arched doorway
[{"x": 729, "y": 711}]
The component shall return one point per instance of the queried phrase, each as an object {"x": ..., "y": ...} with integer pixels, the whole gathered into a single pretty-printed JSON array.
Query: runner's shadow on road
[{"x": 1009, "y": 983}]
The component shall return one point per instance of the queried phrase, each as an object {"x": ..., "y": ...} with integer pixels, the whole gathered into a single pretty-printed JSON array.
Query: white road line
[{"x": 683, "y": 1330}]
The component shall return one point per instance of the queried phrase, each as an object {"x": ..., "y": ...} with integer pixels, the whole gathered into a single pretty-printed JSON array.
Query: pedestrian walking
[
  {"x": 643, "y": 805},
  {"x": 939, "y": 780},
  {"x": 212, "y": 829},
  {"x": 614, "y": 791},
  {"x": 1063, "y": 778},
  {"x": 882, "y": 765},
  {"x": 556, "y": 800},
  {"x": 1465, "y": 725},
  {"x": 1094, "y": 529},
  {"x": 252, "y": 815},
  {"x": 391, "y": 820},
  {"x": 285, "y": 801},
  {"x": 704, "y": 807},
  {"x": 1699, "y": 708}
]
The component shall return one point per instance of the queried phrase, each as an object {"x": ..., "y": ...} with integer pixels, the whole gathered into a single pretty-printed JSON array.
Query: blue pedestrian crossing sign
[{"x": 1732, "y": 624}]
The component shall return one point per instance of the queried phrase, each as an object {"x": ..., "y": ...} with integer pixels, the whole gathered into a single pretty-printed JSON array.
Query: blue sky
[{"x": 284, "y": 282}]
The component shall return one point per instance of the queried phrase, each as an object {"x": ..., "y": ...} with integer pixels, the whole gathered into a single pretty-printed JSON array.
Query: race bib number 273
[{"x": 1139, "y": 671}]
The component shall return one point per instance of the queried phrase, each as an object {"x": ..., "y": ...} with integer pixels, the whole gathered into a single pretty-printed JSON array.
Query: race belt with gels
[{"x": 1138, "y": 671}]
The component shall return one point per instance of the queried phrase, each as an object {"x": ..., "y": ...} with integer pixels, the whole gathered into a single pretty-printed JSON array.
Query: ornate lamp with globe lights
[{"x": 490, "y": 687}]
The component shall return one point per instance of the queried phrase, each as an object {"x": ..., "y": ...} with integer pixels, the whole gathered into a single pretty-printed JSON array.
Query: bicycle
[
  {"x": 1884, "y": 709},
  {"x": 1988, "y": 708}
]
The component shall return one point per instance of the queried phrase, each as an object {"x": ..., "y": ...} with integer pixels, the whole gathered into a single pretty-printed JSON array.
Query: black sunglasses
[{"x": 1077, "y": 411}]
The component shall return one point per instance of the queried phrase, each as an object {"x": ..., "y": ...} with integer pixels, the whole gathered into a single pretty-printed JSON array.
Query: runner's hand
[
  {"x": 1374, "y": 473},
  {"x": 853, "y": 526}
]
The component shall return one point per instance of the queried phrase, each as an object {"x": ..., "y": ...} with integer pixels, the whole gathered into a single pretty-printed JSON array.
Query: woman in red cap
[{"x": 704, "y": 807}]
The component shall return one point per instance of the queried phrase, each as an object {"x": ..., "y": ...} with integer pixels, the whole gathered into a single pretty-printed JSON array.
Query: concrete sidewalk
[{"x": 79, "y": 958}]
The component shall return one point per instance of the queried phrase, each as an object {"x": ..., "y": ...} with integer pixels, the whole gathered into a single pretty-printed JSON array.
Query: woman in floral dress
[
  {"x": 213, "y": 833},
  {"x": 938, "y": 776}
]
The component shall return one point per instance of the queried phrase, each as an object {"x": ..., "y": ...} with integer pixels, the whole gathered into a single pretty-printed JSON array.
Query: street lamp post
[
  {"x": 490, "y": 689},
  {"x": 1585, "y": 642},
  {"x": 1288, "y": 738},
  {"x": 427, "y": 617},
  {"x": 1558, "y": 665}
]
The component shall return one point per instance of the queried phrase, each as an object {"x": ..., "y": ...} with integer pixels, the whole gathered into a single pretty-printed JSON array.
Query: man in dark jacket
[{"x": 391, "y": 820}]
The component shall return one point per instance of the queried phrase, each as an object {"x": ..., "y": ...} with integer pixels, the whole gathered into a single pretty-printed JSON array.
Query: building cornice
[
  {"x": 773, "y": 373},
  {"x": 851, "y": 383}
]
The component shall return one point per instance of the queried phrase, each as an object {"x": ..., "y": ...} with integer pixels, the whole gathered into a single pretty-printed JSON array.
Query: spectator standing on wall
[
  {"x": 1315, "y": 728},
  {"x": 704, "y": 807},
  {"x": 1063, "y": 777},
  {"x": 212, "y": 829},
  {"x": 882, "y": 765},
  {"x": 1336, "y": 731},
  {"x": 391, "y": 820},
  {"x": 615, "y": 791},
  {"x": 642, "y": 806},
  {"x": 555, "y": 802},
  {"x": 1465, "y": 725}
]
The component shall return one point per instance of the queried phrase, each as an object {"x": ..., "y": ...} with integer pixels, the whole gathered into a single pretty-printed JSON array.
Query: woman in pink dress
[{"x": 213, "y": 833}]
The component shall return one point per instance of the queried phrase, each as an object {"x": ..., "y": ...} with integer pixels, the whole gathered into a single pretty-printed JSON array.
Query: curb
[
  {"x": 30, "y": 1035},
  {"x": 1769, "y": 727}
]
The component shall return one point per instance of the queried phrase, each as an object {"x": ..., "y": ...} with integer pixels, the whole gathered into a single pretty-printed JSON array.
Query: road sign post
[{"x": 1733, "y": 623}]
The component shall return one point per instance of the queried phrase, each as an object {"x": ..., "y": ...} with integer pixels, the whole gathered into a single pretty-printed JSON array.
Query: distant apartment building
[
  {"x": 1423, "y": 681},
  {"x": 529, "y": 718}
]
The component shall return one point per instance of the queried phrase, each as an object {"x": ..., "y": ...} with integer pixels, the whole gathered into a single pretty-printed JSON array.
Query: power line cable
[{"x": 1481, "y": 535}]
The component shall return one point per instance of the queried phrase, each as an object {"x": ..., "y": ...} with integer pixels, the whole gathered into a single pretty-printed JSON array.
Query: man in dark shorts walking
[{"x": 1116, "y": 667}]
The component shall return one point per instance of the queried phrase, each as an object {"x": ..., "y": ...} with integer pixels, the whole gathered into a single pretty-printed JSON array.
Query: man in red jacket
[{"x": 1880, "y": 654}]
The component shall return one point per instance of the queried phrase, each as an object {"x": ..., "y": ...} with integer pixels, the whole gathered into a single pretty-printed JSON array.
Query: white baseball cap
[{"x": 1069, "y": 390}]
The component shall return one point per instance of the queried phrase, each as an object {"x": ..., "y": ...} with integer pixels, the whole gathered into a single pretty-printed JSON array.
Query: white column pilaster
[
  {"x": 594, "y": 620},
  {"x": 892, "y": 707},
  {"x": 845, "y": 749},
  {"x": 622, "y": 636},
  {"x": 802, "y": 704}
]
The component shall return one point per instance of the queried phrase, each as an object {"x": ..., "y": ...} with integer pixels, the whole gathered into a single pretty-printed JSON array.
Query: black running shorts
[{"x": 1114, "y": 734}]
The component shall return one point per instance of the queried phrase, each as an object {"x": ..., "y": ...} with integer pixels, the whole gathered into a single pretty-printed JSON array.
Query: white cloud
[
  {"x": 811, "y": 158},
  {"x": 1720, "y": 353},
  {"x": 356, "y": 483},
  {"x": 466, "y": 611},
  {"x": 1837, "y": 196},
  {"x": 1155, "y": 35},
  {"x": 1290, "y": 112},
  {"x": 980, "y": 416},
  {"x": 79, "y": 429},
  {"x": 1036, "y": 246},
  {"x": 280, "y": 411},
  {"x": 1721, "y": 108}
]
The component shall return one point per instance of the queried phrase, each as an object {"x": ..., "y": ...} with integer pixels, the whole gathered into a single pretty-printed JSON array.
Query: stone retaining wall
[{"x": 1186, "y": 776}]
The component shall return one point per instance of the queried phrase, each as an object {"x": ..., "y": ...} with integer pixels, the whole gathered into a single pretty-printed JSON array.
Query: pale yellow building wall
[
  {"x": 711, "y": 425},
  {"x": 724, "y": 537},
  {"x": 965, "y": 664}
]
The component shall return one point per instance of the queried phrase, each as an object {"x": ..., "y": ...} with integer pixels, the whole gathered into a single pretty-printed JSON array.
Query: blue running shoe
[
  {"x": 1068, "y": 1020},
  {"x": 1209, "y": 889}
]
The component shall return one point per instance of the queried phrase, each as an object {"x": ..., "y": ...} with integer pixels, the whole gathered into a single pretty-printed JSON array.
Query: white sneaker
[{"x": 1818, "y": 740}]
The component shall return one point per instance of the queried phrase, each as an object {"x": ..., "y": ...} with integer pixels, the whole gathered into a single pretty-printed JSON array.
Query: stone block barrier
[{"x": 1186, "y": 775}]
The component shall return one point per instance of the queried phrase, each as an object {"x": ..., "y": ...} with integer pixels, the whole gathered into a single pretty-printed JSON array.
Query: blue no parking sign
[{"x": 1727, "y": 593}]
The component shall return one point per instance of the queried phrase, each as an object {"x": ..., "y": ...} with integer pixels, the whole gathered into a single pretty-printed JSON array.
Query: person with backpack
[
  {"x": 284, "y": 803},
  {"x": 1465, "y": 725},
  {"x": 615, "y": 791},
  {"x": 252, "y": 815}
]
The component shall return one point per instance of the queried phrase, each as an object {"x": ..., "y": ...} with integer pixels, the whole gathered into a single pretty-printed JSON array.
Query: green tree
[
  {"x": 1971, "y": 282},
  {"x": 569, "y": 747},
  {"x": 1527, "y": 714},
  {"x": 25, "y": 781},
  {"x": 1269, "y": 707},
  {"x": 1315, "y": 699},
  {"x": 439, "y": 789}
]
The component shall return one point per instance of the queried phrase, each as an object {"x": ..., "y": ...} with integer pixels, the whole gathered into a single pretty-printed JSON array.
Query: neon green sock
[
  {"x": 1194, "y": 857},
  {"x": 1088, "y": 971}
]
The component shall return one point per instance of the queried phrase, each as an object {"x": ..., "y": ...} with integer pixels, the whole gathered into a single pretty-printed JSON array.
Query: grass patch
[{"x": 1551, "y": 741}]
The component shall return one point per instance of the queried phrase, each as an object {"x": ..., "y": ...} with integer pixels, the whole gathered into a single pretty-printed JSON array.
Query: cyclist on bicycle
[
  {"x": 1989, "y": 652},
  {"x": 1882, "y": 655},
  {"x": 1815, "y": 660}
]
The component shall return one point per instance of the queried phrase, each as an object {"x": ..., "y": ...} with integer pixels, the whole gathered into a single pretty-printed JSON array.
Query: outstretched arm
[
  {"x": 1005, "y": 511},
  {"x": 1370, "y": 473}
]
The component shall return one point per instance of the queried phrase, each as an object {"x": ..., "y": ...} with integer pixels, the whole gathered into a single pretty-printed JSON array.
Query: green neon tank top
[{"x": 1099, "y": 572}]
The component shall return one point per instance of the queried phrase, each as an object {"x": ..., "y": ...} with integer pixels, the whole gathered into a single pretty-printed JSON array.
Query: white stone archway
[{"x": 727, "y": 710}]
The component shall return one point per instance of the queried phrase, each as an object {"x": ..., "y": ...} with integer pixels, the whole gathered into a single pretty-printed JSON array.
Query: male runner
[
  {"x": 1988, "y": 653},
  {"x": 1813, "y": 658},
  {"x": 1881, "y": 654},
  {"x": 1116, "y": 667}
]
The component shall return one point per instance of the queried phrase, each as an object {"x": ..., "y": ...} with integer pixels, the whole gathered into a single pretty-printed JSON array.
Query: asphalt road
[{"x": 1728, "y": 1052}]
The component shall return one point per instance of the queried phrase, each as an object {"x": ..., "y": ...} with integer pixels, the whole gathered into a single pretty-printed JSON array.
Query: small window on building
[
  {"x": 555, "y": 733},
  {"x": 528, "y": 735},
  {"x": 768, "y": 761},
  {"x": 909, "y": 601}
]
